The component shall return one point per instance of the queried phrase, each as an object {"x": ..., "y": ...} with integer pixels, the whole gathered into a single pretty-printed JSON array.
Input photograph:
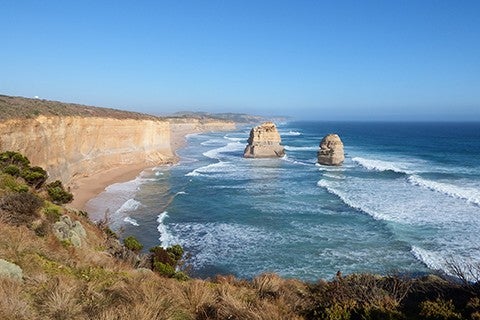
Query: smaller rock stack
[
  {"x": 331, "y": 151},
  {"x": 264, "y": 142}
]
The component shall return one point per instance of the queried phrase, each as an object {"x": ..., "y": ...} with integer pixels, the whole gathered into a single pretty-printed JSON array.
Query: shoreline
[{"x": 86, "y": 188}]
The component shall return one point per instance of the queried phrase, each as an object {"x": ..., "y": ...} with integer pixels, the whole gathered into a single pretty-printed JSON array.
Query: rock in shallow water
[
  {"x": 331, "y": 151},
  {"x": 264, "y": 142}
]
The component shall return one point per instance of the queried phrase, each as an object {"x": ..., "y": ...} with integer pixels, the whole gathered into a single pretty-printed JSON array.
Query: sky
[{"x": 324, "y": 60}]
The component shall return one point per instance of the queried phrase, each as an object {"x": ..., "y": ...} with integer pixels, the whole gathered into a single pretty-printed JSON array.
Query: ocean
[{"x": 406, "y": 200}]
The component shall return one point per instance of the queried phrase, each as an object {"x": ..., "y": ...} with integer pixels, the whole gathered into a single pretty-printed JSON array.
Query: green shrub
[
  {"x": 164, "y": 269},
  {"x": 439, "y": 310},
  {"x": 167, "y": 261},
  {"x": 57, "y": 193},
  {"x": 34, "y": 176},
  {"x": 176, "y": 252},
  {"x": 52, "y": 212},
  {"x": 9, "y": 182},
  {"x": 132, "y": 243},
  {"x": 12, "y": 170},
  {"x": 15, "y": 158}
]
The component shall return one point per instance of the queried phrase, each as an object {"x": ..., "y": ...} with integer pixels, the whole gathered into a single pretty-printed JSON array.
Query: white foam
[
  {"x": 305, "y": 148},
  {"x": 288, "y": 159},
  {"x": 380, "y": 165},
  {"x": 233, "y": 138},
  {"x": 218, "y": 167},
  {"x": 212, "y": 142},
  {"x": 129, "y": 205},
  {"x": 432, "y": 260},
  {"x": 291, "y": 133},
  {"x": 131, "y": 221},
  {"x": 334, "y": 176},
  {"x": 471, "y": 195},
  {"x": 181, "y": 192},
  {"x": 215, "y": 153},
  {"x": 158, "y": 173},
  {"x": 166, "y": 238},
  {"x": 343, "y": 196}
]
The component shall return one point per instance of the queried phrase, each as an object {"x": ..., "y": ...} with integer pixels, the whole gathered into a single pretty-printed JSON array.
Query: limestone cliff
[
  {"x": 69, "y": 147},
  {"x": 264, "y": 142},
  {"x": 331, "y": 151}
]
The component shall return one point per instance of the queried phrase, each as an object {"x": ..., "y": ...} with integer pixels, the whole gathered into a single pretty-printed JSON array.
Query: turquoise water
[{"x": 407, "y": 199}]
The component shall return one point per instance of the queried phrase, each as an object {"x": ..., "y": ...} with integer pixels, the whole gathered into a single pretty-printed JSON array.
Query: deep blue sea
[{"x": 407, "y": 199}]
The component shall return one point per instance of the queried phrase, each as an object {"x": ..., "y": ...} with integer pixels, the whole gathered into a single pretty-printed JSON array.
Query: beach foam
[
  {"x": 129, "y": 205},
  {"x": 131, "y": 221}
]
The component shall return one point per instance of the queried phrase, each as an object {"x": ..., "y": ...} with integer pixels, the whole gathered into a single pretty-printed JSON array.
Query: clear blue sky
[{"x": 331, "y": 60}]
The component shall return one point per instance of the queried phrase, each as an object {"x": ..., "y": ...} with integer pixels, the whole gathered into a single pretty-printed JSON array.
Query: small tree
[
  {"x": 132, "y": 243},
  {"x": 57, "y": 193},
  {"x": 167, "y": 261}
]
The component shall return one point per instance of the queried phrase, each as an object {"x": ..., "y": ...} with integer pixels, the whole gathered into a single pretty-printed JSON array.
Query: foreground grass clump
[{"x": 103, "y": 279}]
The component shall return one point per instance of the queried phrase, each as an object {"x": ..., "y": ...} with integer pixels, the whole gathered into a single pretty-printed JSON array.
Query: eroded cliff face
[{"x": 71, "y": 147}]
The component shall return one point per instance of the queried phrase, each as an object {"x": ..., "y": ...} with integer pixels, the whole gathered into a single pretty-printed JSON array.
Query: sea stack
[
  {"x": 331, "y": 151},
  {"x": 264, "y": 142}
]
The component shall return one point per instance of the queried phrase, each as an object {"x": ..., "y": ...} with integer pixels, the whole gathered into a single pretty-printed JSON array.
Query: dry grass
[
  {"x": 19, "y": 107},
  {"x": 13, "y": 305}
]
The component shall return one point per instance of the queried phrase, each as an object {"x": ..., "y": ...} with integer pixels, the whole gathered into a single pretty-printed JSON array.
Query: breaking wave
[
  {"x": 166, "y": 238},
  {"x": 469, "y": 194},
  {"x": 380, "y": 165}
]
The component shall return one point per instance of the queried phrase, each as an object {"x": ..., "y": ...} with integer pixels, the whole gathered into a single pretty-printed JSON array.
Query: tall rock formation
[
  {"x": 331, "y": 151},
  {"x": 264, "y": 142}
]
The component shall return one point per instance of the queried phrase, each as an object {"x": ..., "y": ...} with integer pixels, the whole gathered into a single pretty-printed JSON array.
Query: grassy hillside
[
  {"x": 19, "y": 107},
  {"x": 56, "y": 264}
]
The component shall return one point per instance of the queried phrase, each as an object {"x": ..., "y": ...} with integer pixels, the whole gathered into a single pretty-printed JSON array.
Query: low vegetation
[
  {"x": 24, "y": 108},
  {"x": 105, "y": 279}
]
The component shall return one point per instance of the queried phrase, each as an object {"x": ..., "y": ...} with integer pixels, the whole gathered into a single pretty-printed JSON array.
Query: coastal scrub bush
[
  {"x": 13, "y": 158},
  {"x": 34, "y": 176},
  {"x": 20, "y": 208},
  {"x": 167, "y": 261},
  {"x": 8, "y": 182},
  {"x": 52, "y": 212},
  {"x": 132, "y": 243},
  {"x": 57, "y": 193},
  {"x": 12, "y": 170},
  {"x": 439, "y": 310}
]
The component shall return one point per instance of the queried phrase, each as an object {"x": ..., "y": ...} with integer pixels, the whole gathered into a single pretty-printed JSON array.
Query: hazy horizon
[{"x": 309, "y": 60}]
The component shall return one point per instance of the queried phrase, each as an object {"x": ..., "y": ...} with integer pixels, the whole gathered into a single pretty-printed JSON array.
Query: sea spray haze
[{"x": 407, "y": 199}]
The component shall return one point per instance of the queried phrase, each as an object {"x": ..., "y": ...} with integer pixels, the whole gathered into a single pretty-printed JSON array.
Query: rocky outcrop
[
  {"x": 264, "y": 142},
  {"x": 331, "y": 151},
  {"x": 70, "y": 231},
  {"x": 10, "y": 270}
]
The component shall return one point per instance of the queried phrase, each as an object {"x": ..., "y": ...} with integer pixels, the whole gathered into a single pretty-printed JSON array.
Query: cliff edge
[{"x": 72, "y": 141}]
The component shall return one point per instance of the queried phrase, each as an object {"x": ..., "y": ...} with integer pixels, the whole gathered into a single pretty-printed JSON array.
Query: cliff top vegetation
[{"x": 24, "y": 108}]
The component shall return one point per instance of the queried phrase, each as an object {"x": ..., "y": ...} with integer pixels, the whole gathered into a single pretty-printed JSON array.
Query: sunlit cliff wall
[{"x": 70, "y": 147}]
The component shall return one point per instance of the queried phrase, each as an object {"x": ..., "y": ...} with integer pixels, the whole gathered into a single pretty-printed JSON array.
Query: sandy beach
[{"x": 86, "y": 188}]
